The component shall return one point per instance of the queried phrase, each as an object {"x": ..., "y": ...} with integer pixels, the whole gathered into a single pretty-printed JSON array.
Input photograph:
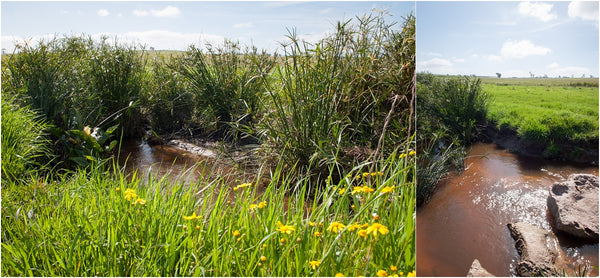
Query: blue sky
[
  {"x": 176, "y": 25},
  {"x": 511, "y": 38}
]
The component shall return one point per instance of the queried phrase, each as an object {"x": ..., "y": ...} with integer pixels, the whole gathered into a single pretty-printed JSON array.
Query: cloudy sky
[
  {"x": 512, "y": 38},
  {"x": 176, "y": 25}
]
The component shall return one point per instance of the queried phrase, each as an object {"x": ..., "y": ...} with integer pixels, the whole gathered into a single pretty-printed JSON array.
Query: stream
[{"x": 466, "y": 217}]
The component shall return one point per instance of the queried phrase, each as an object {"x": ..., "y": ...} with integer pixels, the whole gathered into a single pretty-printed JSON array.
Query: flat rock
[
  {"x": 539, "y": 250},
  {"x": 197, "y": 150},
  {"x": 478, "y": 271},
  {"x": 574, "y": 206}
]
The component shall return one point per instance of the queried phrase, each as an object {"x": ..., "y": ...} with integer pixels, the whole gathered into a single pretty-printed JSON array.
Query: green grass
[
  {"x": 84, "y": 225},
  {"x": 573, "y": 82},
  {"x": 546, "y": 113}
]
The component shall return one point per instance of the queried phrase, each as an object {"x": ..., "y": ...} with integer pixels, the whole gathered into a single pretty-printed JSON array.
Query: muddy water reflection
[
  {"x": 162, "y": 159},
  {"x": 467, "y": 215}
]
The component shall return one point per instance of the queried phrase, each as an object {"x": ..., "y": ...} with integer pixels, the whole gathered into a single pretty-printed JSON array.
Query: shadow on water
[{"x": 467, "y": 215}]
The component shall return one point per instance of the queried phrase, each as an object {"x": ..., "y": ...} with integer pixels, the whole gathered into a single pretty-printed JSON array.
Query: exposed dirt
[{"x": 586, "y": 153}]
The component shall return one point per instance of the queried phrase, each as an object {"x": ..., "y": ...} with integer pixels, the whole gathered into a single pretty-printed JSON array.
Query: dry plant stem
[{"x": 380, "y": 143}]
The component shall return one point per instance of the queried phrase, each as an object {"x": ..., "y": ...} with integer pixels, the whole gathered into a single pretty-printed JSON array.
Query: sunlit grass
[
  {"x": 91, "y": 224},
  {"x": 545, "y": 113}
]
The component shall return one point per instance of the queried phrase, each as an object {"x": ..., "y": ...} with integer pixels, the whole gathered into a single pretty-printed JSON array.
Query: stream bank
[{"x": 587, "y": 153}]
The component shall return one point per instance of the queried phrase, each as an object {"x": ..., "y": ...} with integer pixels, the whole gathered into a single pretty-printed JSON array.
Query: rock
[
  {"x": 539, "y": 250},
  {"x": 478, "y": 271},
  {"x": 197, "y": 150},
  {"x": 574, "y": 206}
]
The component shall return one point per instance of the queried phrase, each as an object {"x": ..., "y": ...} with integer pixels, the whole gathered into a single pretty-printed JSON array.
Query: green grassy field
[
  {"x": 573, "y": 82},
  {"x": 552, "y": 111}
]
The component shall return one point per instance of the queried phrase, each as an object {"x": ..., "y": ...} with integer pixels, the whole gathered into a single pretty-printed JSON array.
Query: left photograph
[{"x": 208, "y": 139}]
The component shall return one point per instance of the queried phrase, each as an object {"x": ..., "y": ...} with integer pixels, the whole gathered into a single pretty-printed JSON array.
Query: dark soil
[{"x": 584, "y": 153}]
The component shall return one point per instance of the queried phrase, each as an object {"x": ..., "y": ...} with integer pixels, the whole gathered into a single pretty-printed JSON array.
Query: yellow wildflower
[
  {"x": 139, "y": 202},
  {"x": 382, "y": 273},
  {"x": 282, "y": 240},
  {"x": 394, "y": 275},
  {"x": 130, "y": 194},
  {"x": 393, "y": 268},
  {"x": 362, "y": 233},
  {"x": 264, "y": 246},
  {"x": 402, "y": 155},
  {"x": 353, "y": 206},
  {"x": 236, "y": 233},
  {"x": 118, "y": 189},
  {"x": 364, "y": 226},
  {"x": 241, "y": 186},
  {"x": 87, "y": 130},
  {"x": 317, "y": 234},
  {"x": 263, "y": 258},
  {"x": 253, "y": 206},
  {"x": 353, "y": 227},
  {"x": 192, "y": 217},
  {"x": 312, "y": 224},
  {"x": 411, "y": 274},
  {"x": 336, "y": 227},
  {"x": 388, "y": 189},
  {"x": 377, "y": 228},
  {"x": 339, "y": 274},
  {"x": 259, "y": 264},
  {"x": 314, "y": 264},
  {"x": 197, "y": 227},
  {"x": 366, "y": 174},
  {"x": 367, "y": 189},
  {"x": 262, "y": 204},
  {"x": 341, "y": 191},
  {"x": 412, "y": 153},
  {"x": 285, "y": 229}
]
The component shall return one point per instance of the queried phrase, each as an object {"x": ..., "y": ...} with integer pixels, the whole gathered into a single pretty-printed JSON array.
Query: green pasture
[{"x": 545, "y": 113}]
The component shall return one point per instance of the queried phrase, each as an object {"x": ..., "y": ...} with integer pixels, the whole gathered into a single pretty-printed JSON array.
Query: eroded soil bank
[
  {"x": 584, "y": 153},
  {"x": 466, "y": 217}
]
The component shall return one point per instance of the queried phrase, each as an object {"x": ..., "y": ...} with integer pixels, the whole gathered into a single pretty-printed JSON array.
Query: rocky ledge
[
  {"x": 574, "y": 206},
  {"x": 539, "y": 250}
]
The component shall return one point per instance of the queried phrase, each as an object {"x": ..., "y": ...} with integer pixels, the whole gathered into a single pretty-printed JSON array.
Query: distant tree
[
  {"x": 499, "y": 74},
  {"x": 545, "y": 75},
  {"x": 531, "y": 74}
]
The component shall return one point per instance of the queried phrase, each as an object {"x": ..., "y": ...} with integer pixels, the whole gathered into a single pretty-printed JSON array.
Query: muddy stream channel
[{"x": 467, "y": 215}]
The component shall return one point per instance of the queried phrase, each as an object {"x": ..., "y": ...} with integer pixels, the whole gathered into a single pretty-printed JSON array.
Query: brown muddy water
[{"x": 467, "y": 215}]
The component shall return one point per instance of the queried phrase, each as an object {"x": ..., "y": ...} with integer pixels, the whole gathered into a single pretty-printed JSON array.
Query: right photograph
[{"x": 507, "y": 139}]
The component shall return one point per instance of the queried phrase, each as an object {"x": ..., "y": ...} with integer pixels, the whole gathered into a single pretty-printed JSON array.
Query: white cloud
[
  {"x": 587, "y": 10},
  {"x": 435, "y": 65},
  {"x": 523, "y": 48},
  {"x": 553, "y": 65},
  {"x": 458, "y": 60},
  {"x": 433, "y": 54},
  {"x": 574, "y": 71},
  {"x": 168, "y": 11},
  {"x": 541, "y": 11},
  {"x": 140, "y": 12},
  {"x": 244, "y": 25},
  {"x": 103, "y": 12},
  {"x": 494, "y": 58}
]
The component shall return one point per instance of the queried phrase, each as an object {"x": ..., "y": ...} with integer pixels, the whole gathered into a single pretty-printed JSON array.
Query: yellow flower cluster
[
  {"x": 336, "y": 227},
  {"x": 366, "y": 174},
  {"x": 130, "y": 195},
  {"x": 241, "y": 186},
  {"x": 260, "y": 205},
  {"x": 192, "y": 217},
  {"x": 403, "y": 155},
  {"x": 362, "y": 189},
  {"x": 388, "y": 189},
  {"x": 314, "y": 264}
]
